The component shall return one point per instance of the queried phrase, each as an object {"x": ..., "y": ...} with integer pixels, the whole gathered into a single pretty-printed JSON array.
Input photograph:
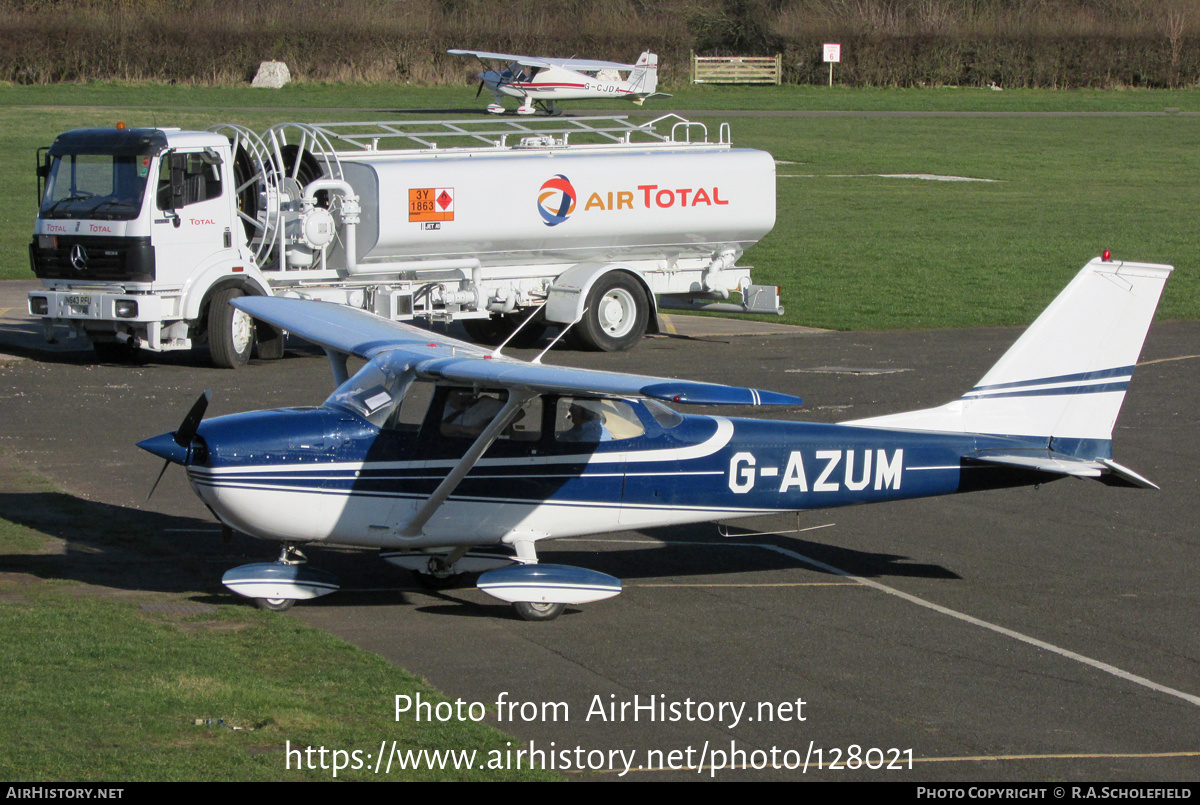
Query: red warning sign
[{"x": 430, "y": 204}]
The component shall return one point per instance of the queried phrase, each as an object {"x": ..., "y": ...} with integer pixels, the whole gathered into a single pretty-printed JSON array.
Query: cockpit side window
[
  {"x": 465, "y": 412},
  {"x": 664, "y": 416},
  {"x": 527, "y": 427},
  {"x": 586, "y": 420},
  {"x": 410, "y": 413}
]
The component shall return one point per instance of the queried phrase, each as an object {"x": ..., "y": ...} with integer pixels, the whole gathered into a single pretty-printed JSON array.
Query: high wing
[
  {"x": 578, "y": 65},
  {"x": 402, "y": 347}
]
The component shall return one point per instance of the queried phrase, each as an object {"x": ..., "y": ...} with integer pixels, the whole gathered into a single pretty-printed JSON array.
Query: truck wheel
[
  {"x": 616, "y": 315},
  {"x": 230, "y": 331}
]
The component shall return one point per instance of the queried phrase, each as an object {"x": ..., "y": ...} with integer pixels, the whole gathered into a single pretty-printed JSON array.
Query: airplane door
[
  {"x": 407, "y": 484},
  {"x": 597, "y": 433}
]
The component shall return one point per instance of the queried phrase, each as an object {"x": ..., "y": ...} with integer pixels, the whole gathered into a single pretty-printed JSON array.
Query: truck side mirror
[
  {"x": 43, "y": 171},
  {"x": 177, "y": 165}
]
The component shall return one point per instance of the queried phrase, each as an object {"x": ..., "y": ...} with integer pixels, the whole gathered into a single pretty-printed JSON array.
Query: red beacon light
[{"x": 1106, "y": 256}]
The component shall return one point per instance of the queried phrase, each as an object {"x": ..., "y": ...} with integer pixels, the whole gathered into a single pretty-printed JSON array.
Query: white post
[{"x": 833, "y": 53}]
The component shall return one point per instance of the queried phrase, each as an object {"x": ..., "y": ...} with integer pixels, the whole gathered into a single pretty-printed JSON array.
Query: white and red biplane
[{"x": 544, "y": 82}]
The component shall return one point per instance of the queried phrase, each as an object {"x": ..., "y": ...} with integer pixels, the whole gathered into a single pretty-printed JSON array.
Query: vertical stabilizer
[
  {"x": 643, "y": 79},
  {"x": 1065, "y": 378}
]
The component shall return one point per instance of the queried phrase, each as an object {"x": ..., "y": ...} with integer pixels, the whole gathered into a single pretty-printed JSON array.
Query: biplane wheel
[
  {"x": 616, "y": 316},
  {"x": 538, "y": 610},
  {"x": 274, "y": 604},
  {"x": 230, "y": 331}
]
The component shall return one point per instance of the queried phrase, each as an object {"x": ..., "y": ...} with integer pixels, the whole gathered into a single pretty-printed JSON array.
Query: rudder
[
  {"x": 643, "y": 79},
  {"x": 1065, "y": 378}
]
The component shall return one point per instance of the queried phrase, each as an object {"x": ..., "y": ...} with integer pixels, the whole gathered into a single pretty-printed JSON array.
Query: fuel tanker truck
[{"x": 144, "y": 236}]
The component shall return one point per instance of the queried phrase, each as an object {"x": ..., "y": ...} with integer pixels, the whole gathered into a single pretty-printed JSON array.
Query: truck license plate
[{"x": 80, "y": 302}]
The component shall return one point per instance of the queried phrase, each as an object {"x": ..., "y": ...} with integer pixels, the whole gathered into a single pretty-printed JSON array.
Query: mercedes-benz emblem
[{"x": 79, "y": 257}]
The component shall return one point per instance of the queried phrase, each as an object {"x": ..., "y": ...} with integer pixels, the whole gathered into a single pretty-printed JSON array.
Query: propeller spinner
[{"x": 176, "y": 447}]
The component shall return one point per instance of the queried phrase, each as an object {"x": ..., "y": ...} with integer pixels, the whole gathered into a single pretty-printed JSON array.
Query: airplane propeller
[
  {"x": 168, "y": 446},
  {"x": 479, "y": 91}
]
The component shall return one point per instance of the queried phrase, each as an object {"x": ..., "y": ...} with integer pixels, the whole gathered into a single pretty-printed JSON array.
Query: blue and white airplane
[{"x": 436, "y": 447}]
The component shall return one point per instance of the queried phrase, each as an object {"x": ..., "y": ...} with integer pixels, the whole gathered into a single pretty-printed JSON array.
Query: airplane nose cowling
[{"x": 166, "y": 447}]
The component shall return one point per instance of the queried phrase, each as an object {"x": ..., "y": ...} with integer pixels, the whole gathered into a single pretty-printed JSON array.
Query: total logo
[{"x": 557, "y": 199}]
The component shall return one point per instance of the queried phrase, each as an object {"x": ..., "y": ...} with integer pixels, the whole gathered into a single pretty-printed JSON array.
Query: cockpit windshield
[
  {"x": 374, "y": 392},
  {"x": 97, "y": 186}
]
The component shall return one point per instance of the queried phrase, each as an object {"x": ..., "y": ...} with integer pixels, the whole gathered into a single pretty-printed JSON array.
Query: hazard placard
[{"x": 430, "y": 204}]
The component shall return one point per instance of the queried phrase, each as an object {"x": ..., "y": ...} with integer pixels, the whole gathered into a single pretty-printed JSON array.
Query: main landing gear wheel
[
  {"x": 616, "y": 316},
  {"x": 274, "y": 604},
  {"x": 230, "y": 331},
  {"x": 538, "y": 610},
  {"x": 438, "y": 575}
]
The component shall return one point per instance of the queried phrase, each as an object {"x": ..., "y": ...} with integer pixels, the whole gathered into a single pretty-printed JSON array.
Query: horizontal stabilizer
[
  {"x": 1127, "y": 475},
  {"x": 1102, "y": 469},
  {"x": 1043, "y": 460}
]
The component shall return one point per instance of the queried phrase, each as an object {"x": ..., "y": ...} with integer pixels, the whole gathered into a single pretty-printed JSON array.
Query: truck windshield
[{"x": 98, "y": 186}]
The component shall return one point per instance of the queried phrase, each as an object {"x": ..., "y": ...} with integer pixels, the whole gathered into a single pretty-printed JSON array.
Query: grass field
[
  {"x": 107, "y": 685},
  {"x": 850, "y": 249}
]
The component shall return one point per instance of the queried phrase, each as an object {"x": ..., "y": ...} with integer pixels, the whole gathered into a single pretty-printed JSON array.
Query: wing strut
[
  {"x": 337, "y": 362},
  {"x": 516, "y": 400}
]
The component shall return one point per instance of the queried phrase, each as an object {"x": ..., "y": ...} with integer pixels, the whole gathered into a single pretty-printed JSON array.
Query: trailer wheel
[
  {"x": 616, "y": 315},
  {"x": 230, "y": 331}
]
